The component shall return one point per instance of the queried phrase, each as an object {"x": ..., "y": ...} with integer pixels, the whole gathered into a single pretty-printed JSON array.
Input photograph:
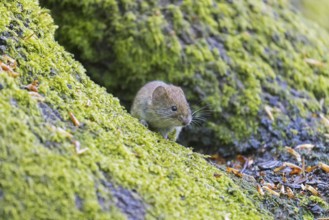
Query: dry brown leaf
[
  {"x": 271, "y": 191},
  {"x": 291, "y": 165},
  {"x": 294, "y": 153},
  {"x": 33, "y": 86},
  {"x": 236, "y": 172},
  {"x": 305, "y": 147},
  {"x": 312, "y": 190},
  {"x": 324, "y": 167},
  {"x": 310, "y": 168},
  {"x": 260, "y": 190},
  {"x": 74, "y": 120},
  {"x": 290, "y": 193}
]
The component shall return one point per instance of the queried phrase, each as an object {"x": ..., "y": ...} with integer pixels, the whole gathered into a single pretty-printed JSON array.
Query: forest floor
[{"x": 294, "y": 177}]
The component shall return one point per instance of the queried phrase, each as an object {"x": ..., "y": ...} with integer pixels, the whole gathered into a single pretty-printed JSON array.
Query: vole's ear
[{"x": 159, "y": 94}]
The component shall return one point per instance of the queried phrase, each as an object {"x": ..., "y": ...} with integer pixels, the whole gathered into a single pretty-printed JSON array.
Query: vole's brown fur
[{"x": 162, "y": 107}]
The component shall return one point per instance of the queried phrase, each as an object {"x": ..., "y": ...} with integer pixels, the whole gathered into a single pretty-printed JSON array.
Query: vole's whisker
[
  {"x": 199, "y": 118},
  {"x": 202, "y": 113},
  {"x": 195, "y": 124},
  {"x": 196, "y": 111},
  {"x": 198, "y": 124},
  {"x": 206, "y": 113}
]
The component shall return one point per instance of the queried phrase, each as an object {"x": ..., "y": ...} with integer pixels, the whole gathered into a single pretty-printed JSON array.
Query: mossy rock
[
  {"x": 235, "y": 58},
  {"x": 126, "y": 172}
]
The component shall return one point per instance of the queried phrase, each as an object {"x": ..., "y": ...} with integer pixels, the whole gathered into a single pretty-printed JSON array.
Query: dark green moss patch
[
  {"x": 50, "y": 115},
  {"x": 228, "y": 55},
  {"x": 42, "y": 173},
  {"x": 234, "y": 58},
  {"x": 128, "y": 202}
]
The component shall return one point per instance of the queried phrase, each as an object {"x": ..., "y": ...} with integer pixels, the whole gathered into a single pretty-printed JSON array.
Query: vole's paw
[
  {"x": 174, "y": 133},
  {"x": 143, "y": 122},
  {"x": 164, "y": 133}
]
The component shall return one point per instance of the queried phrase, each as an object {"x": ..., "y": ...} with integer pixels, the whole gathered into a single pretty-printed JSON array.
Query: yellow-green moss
[
  {"x": 41, "y": 174},
  {"x": 225, "y": 54}
]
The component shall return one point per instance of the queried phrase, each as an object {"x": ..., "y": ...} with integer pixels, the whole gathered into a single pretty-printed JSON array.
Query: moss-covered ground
[
  {"x": 259, "y": 67},
  {"x": 232, "y": 57},
  {"x": 126, "y": 171}
]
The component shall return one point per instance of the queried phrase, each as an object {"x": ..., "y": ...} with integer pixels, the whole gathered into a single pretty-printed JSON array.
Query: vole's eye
[{"x": 174, "y": 108}]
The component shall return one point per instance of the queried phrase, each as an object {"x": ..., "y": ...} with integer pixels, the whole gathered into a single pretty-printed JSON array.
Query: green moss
[
  {"x": 41, "y": 173},
  {"x": 226, "y": 55},
  {"x": 319, "y": 201},
  {"x": 304, "y": 201}
]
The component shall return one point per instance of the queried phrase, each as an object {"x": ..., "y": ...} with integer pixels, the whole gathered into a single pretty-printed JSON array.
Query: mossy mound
[
  {"x": 127, "y": 171},
  {"x": 233, "y": 57}
]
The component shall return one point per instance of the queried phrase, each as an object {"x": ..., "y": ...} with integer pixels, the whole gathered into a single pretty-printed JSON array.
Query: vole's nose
[{"x": 186, "y": 121}]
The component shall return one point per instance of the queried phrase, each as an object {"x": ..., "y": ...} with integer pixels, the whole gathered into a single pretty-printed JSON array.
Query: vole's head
[{"x": 169, "y": 103}]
